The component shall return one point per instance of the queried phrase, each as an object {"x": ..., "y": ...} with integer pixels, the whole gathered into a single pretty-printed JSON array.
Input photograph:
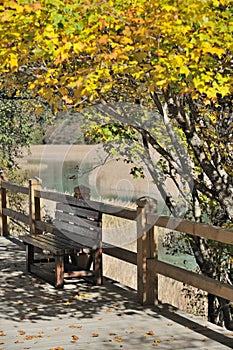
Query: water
[{"x": 61, "y": 168}]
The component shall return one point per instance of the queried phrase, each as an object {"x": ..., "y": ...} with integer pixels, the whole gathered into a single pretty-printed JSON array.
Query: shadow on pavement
[{"x": 24, "y": 297}]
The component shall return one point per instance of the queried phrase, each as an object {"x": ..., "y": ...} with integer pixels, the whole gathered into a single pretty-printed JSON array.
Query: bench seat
[{"x": 76, "y": 232}]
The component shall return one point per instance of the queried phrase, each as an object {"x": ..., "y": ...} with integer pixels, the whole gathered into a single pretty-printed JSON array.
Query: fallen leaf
[
  {"x": 109, "y": 310},
  {"x": 86, "y": 295},
  {"x": 72, "y": 326},
  {"x": 1, "y": 342},
  {"x": 21, "y": 332},
  {"x": 57, "y": 328},
  {"x": 170, "y": 324},
  {"x": 30, "y": 337},
  {"x": 112, "y": 334},
  {"x": 116, "y": 339},
  {"x": 75, "y": 337},
  {"x": 150, "y": 333},
  {"x": 57, "y": 348},
  {"x": 95, "y": 334},
  {"x": 81, "y": 295}
]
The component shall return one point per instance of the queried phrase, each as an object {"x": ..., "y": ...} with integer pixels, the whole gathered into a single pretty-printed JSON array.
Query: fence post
[
  {"x": 35, "y": 204},
  {"x": 82, "y": 259},
  {"x": 147, "y": 253},
  {"x": 82, "y": 192},
  {"x": 4, "y": 219}
]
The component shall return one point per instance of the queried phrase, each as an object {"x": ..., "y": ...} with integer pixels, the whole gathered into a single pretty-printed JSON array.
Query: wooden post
[
  {"x": 35, "y": 204},
  {"x": 4, "y": 220},
  {"x": 147, "y": 253},
  {"x": 82, "y": 192},
  {"x": 59, "y": 271},
  {"x": 84, "y": 259}
]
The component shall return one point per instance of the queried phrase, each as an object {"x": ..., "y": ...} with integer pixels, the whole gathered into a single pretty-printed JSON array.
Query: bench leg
[
  {"x": 97, "y": 266},
  {"x": 59, "y": 271},
  {"x": 29, "y": 257}
]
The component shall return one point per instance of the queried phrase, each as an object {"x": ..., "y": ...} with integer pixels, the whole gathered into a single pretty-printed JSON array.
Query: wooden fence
[{"x": 146, "y": 257}]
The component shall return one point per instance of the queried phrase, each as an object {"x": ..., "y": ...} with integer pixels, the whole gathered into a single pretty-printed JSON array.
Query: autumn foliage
[{"x": 73, "y": 51}]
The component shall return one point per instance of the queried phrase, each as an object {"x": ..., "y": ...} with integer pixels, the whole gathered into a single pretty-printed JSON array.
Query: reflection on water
[{"x": 104, "y": 182}]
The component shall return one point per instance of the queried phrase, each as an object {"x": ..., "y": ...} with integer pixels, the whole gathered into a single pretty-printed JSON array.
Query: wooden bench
[{"x": 76, "y": 232}]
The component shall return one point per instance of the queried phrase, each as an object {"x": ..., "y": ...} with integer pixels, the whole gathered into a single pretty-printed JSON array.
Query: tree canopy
[{"x": 72, "y": 51}]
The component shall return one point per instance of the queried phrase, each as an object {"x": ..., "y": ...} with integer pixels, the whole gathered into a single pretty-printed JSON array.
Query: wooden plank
[
  {"x": 43, "y": 273},
  {"x": 215, "y": 233},
  {"x": 62, "y": 242},
  {"x": 121, "y": 212},
  {"x": 85, "y": 241},
  {"x": 152, "y": 282},
  {"x": 45, "y": 226},
  {"x": 92, "y": 234},
  {"x": 35, "y": 205},
  {"x": 81, "y": 273},
  {"x": 197, "y": 229},
  {"x": 16, "y": 215},
  {"x": 4, "y": 220},
  {"x": 53, "y": 244},
  {"x": 13, "y": 187},
  {"x": 72, "y": 236},
  {"x": 29, "y": 257},
  {"x": 59, "y": 271},
  {"x": 42, "y": 243},
  {"x": 205, "y": 283},
  {"x": 120, "y": 253},
  {"x": 76, "y": 210},
  {"x": 76, "y": 220}
]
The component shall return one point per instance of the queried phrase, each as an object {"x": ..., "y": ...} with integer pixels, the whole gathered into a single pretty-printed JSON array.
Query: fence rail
[{"x": 146, "y": 257}]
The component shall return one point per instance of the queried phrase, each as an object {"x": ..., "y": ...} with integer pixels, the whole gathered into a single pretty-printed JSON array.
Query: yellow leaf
[
  {"x": 13, "y": 60},
  {"x": 184, "y": 70},
  {"x": 78, "y": 47}
]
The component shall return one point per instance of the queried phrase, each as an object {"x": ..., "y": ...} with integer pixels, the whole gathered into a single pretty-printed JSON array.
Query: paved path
[{"x": 33, "y": 315}]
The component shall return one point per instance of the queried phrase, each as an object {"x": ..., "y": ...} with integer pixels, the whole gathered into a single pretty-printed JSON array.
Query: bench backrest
[{"x": 80, "y": 223}]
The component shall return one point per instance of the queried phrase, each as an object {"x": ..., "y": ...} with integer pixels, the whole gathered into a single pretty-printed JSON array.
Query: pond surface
[{"x": 62, "y": 167}]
